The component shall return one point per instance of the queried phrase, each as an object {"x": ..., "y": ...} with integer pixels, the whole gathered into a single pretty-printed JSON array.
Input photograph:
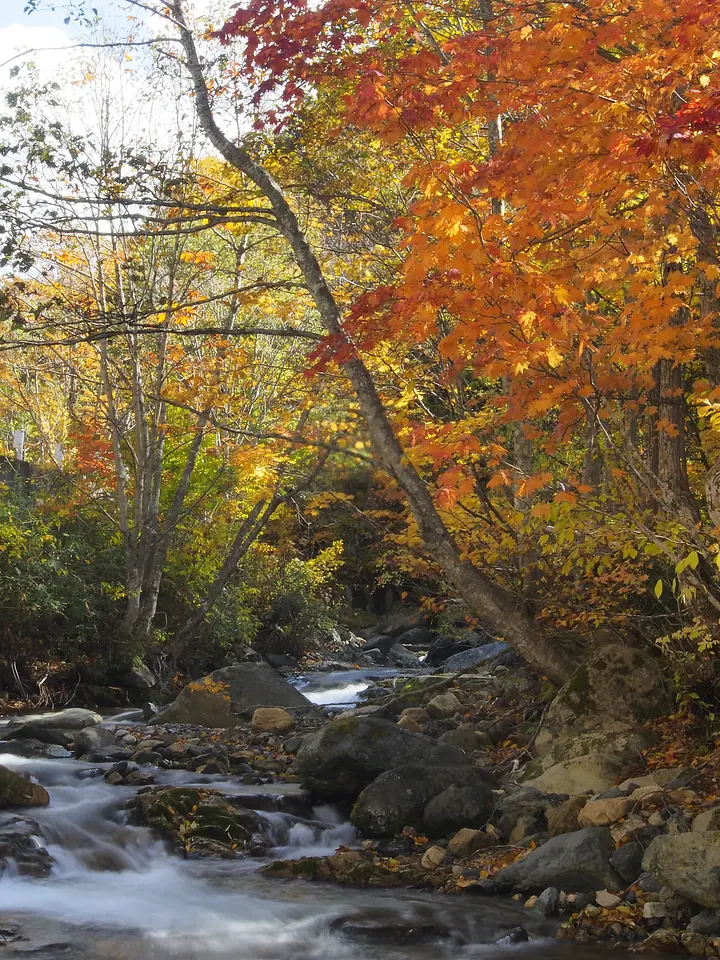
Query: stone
[
  {"x": 398, "y": 798},
  {"x": 92, "y": 740},
  {"x": 457, "y": 806},
  {"x": 648, "y": 796},
  {"x": 220, "y": 699},
  {"x": 199, "y": 822},
  {"x": 487, "y": 655},
  {"x": 466, "y": 842},
  {"x": 444, "y": 647},
  {"x": 140, "y": 677},
  {"x": 547, "y": 903},
  {"x": 656, "y": 819},
  {"x": 707, "y": 922},
  {"x": 627, "y": 860},
  {"x": 607, "y": 900},
  {"x": 74, "y": 718},
  {"x": 400, "y": 656},
  {"x": 585, "y": 774},
  {"x": 662, "y": 941},
  {"x": 49, "y": 735},
  {"x": 272, "y": 720},
  {"x": 516, "y": 935},
  {"x": 418, "y": 714},
  {"x": 602, "y": 813},
  {"x": 564, "y": 817},
  {"x": 525, "y": 805},
  {"x": 463, "y": 736},
  {"x": 616, "y": 690},
  {"x": 659, "y": 778},
  {"x": 706, "y": 821},
  {"x": 407, "y": 723},
  {"x": 391, "y": 930},
  {"x": 342, "y": 758},
  {"x": 693, "y": 943},
  {"x": 16, "y": 791},
  {"x": 654, "y": 910},
  {"x": 381, "y": 642},
  {"x": 573, "y": 861},
  {"x": 433, "y": 858},
  {"x": 530, "y": 902},
  {"x": 688, "y": 863},
  {"x": 444, "y": 705},
  {"x": 634, "y": 828}
]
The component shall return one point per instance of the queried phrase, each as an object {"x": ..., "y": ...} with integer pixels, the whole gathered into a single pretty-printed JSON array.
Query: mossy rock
[
  {"x": 615, "y": 691},
  {"x": 197, "y": 822}
]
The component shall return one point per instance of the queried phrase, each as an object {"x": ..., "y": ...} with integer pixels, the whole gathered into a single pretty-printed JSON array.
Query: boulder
[
  {"x": 26, "y": 731},
  {"x": 689, "y": 864},
  {"x": 616, "y": 690},
  {"x": 21, "y": 854},
  {"x": 92, "y": 740},
  {"x": 443, "y": 706},
  {"x": 399, "y": 623},
  {"x": 573, "y": 861},
  {"x": 16, "y": 791},
  {"x": 74, "y": 718},
  {"x": 491, "y": 653},
  {"x": 564, "y": 817},
  {"x": 464, "y": 736},
  {"x": 407, "y": 723},
  {"x": 343, "y": 757},
  {"x": 418, "y": 714},
  {"x": 140, "y": 677},
  {"x": 457, "y": 806},
  {"x": 398, "y": 798},
  {"x": 220, "y": 699},
  {"x": 433, "y": 858},
  {"x": 272, "y": 720},
  {"x": 591, "y": 773},
  {"x": 415, "y": 637},
  {"x": 381, "y": 643}
]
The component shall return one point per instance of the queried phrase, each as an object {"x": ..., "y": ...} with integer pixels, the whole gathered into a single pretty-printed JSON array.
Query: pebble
[
  {"x": 654, "y": 910},
  {"x": 129, "y": 740},
  {"x": 607, "y": 900}
]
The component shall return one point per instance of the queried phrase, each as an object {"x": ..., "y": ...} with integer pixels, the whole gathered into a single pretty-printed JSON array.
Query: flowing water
[{"x": 115, "y": 893}]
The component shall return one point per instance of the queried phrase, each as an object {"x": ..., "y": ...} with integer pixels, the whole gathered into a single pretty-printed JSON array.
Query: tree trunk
[{"x": 482, "y": 594}]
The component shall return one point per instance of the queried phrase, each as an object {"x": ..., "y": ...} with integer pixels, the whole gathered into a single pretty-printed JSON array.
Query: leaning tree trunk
[{"x": 482, "y": 594}]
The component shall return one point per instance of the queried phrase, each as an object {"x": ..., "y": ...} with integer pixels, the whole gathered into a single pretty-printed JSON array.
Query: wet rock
[
  {"x": 396, "y": 931},
  {"x": 220, "y": 699},
  {"x": 662, "y": 941},
  {"x": 707, "y": 922},
  {"x": 616, "y": 690},
  {"x": 573, "y": 861},
  {"x": 343, "y": 757},
  {"x": 516, "y": 935},
  {"x": 490, "y": 653},
  {"x": 21, "y": 851},
  {"x": 74, "y": 718},
  {"x": 50, "y": 735},
  {"x": 381, "y": 643},
  {"x": 689, "y": 864},
  {"x": 272, "y": 720},
  {"x": 92, "y": 740},
  {"x": 399, "y": 797},
  {"x": 443, "y": 647},
  {"x": 547, "y": 903},
  {"x": 564, "y": 817},
  {"x": 16, "y": 791},
  {"x": 199, "y": 822},
  {"x": 400, "y": 656}
]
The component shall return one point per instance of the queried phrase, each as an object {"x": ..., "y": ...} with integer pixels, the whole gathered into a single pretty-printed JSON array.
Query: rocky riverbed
[{"x": 247, "y": 820}]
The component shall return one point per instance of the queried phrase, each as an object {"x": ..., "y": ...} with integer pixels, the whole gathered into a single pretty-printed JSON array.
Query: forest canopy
[{"x": 298, "y": 300}]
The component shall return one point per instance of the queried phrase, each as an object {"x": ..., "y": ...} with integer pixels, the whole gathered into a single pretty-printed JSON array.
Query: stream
[{"x": 115, "y": 893}]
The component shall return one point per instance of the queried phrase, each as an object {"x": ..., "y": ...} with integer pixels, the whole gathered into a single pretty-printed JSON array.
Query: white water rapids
[{"x": 115, "y": 893}]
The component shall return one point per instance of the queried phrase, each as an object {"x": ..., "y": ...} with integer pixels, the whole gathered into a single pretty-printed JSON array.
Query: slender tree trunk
[{"x": 484, "y": 596}]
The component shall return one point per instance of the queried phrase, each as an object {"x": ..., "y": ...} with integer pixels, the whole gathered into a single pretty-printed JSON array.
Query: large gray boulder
[
  {"x": 398, "y": 798},
  {"x": 93, "y": 740},
  {"x": 74, "y": 718},
  {"x": 343, "y": 757},
  {"x": 689, "y": 864},
  {"x": 577, "y": 862},
  {"x": 591, "y": 763},
  {"x": 224, "y": 696},
  {"x": 615, "y": 691}
]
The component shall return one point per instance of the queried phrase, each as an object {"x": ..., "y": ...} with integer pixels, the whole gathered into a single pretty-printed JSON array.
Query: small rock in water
[
  {"x": 516, "y": 935},
  {"x": 129, "y": 740},
  {"x": 547, "y": 903}
]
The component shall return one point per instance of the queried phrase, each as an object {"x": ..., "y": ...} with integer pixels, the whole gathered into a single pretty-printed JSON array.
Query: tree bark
[{"x": 484, "y": 596}]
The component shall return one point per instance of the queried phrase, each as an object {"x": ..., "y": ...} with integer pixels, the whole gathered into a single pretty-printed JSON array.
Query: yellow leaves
[
  {"x": 554, "y": 357},
  {"x": 704, "y": 80}
]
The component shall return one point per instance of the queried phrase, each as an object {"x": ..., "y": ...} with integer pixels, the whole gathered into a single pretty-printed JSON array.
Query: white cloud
[{"x": 46, "y": 46}]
